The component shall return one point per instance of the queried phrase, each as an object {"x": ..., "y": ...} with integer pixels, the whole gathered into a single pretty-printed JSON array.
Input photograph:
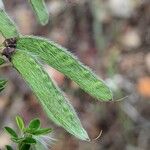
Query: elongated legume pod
[
  {"x": 60, "y": 59},
  {"x": 7, "y": 27},
  {"x": 54, "y": 103},
  {"x": 40, "y": 10}
]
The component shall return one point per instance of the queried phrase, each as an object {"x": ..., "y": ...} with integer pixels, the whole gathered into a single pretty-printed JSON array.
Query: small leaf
[
  {"x": 7, "y": 27},
  {"x": 20, "y": 122},
  {"x": 28, "y": 130},
  {"x": 29, "y": 140},
  {"x": 38, "y": 131},
  {"x": 60, "y": 59},
  {"x": 2, "y": 61},
  {"x": 54, "y": 103},
  {"x": 34, "y": 124},
  {"x": 16, "y": 139},
  {"x": 43, "y": 131},
  {"x": 25, "y": 147},
  {"x": 40, "y": 10},
  {"x": 11, "y": 132},
  {"x": 2, "y": 84},
  {"x": 8, "y": 147}
]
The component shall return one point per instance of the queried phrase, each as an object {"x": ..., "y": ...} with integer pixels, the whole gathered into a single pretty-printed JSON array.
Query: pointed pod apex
[{"x": 85, "y": 137}]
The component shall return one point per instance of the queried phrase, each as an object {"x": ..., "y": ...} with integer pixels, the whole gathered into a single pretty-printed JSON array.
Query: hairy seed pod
[
  {"x": 63, "y": 61},
  {"x": 7, "y": 26},
  {"x": 54, "y": 103}
]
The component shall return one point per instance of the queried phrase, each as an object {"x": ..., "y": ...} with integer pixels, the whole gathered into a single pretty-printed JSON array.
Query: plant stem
[{"x": 6, "y": 65}]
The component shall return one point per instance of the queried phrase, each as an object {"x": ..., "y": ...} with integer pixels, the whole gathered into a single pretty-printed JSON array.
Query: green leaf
[
  {"x": 54, "y": 103},
  {"x": 2, "y": 61},
  {"x": 7, "y": 27},
  {"x": 40, "y": 10},
  {"x": 8, "y": 147},
  {"x": 11, "y": 132},
  {"x": 20, "y": 122},
  {"x": 60, "y": 59},
  {"x": 2, "y": 84},
  {"x": 43, "y": 131},
  {"x": 16, "y": 139},
  {"x": 29, "y": 140},
  {"x": 25, "y": 147},
  {"x": 34, "y": 124},
  {"x": 28, "y": 130}
]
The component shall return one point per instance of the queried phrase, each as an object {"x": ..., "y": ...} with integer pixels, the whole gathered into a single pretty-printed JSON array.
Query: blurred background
[{"x": 113, "y": 38}]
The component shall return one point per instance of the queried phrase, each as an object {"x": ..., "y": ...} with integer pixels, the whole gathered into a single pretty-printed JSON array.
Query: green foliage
[
  {"x": 11, "y": 132},
  {"x": 42, "y": 131},
  {"x": 34, "y": 124},
  {"x": 27, "y": 139},
  {"x": 29, "y": 52},
  {"x": 54, "y": 103},
  {"x": 2, "y": 84},
  {"x": 7, "y": 27},
  {"x": 40, "y": 10},
  {"x": 24, "y": 147},
  {"x": 60, "y": 59},
  {"x": 2, "y": 61},
  {"x": 8, "y": 147},
  {"x": 20, "y": 123}
]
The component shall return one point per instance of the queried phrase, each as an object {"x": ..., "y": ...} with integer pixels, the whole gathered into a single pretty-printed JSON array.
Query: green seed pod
[
  {"x": 60, "y": 59},
  {"x": 40, "y": 10},
  {"x": 7, "y": 27},
  {"x": 54, "y": 103}
]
